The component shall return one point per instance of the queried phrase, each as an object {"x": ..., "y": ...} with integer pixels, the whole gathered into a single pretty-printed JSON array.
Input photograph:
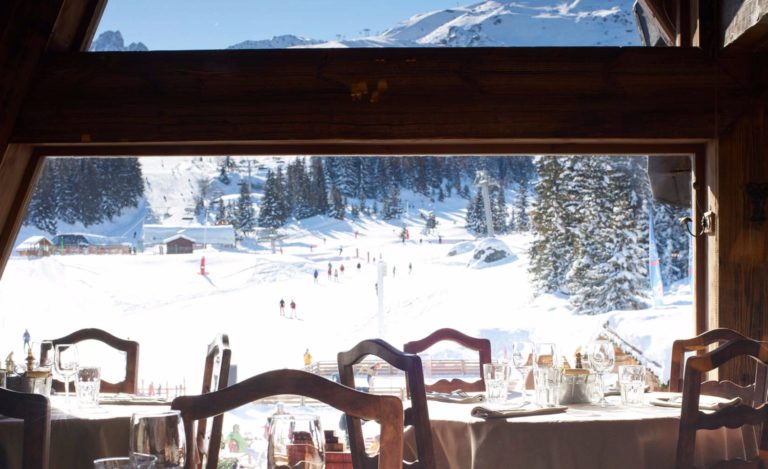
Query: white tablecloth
[
  {"x": 584, "y": 437},
  {"x": 78, "y": 436}
]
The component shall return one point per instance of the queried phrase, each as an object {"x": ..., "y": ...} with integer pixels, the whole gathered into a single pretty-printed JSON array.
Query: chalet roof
[
  {"x": 178, "y": 236},
  {"x": 32, "y": 242},
  {"x": 219, "y": 235}
]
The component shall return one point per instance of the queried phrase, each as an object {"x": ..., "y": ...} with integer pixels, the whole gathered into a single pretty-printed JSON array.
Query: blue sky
[{"x": 209, "y": 24}]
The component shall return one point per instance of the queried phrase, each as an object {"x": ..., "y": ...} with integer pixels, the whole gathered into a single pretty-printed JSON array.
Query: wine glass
[
  {"x": 66, "y": 360},
  {"x": 522, "y": 359},
  {"x": 295, "y": 440},
  {"x": 159, "y": 434},
  {"x": 545, "y": 355},
  {"x": 601, "y": 359}
]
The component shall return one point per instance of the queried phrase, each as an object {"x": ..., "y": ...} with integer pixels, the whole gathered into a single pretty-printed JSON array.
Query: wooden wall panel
[{"x": 742, "y": 244}]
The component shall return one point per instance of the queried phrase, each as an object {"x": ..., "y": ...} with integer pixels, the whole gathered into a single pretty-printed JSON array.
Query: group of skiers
[{"x": 282, "y": 308}]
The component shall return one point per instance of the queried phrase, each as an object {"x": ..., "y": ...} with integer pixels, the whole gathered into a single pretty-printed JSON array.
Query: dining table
[
  {"x": 579, "y": 436},
  {"x": 80, "y": 434}
]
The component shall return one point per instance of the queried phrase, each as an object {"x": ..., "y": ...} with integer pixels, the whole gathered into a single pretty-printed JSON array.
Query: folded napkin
[
  {"x": 705, "y": 402},
  {"x": 457, "y": 397},
  {"x": 502, "y": 413}
]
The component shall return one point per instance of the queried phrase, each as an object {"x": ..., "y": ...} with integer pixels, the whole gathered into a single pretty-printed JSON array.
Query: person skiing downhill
[
  {"x": 315, "y": 275},
  {"x": 282, "y": 307},
  {"x": 293, "y": 309},
  {"x": 342, "y": 268}
]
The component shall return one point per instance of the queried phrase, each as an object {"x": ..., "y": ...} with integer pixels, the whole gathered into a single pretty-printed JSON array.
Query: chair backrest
[
  {"x": 131, "y": 349},
  {"x": 215, "y": 377},
  {"x": 387, "y": 410},
  {"x": 35, "y": 410},
  {"x": 416, "y": 416},
  {"x": 746, "y": 415},
  {"x": 700, "y": 343},
  {"x": 482, "y": 346}
]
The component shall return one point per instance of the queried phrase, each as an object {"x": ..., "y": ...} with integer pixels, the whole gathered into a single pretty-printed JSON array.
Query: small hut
[
  {"x": 179, "y": 244},
  {"x": 35, "y": 246}
]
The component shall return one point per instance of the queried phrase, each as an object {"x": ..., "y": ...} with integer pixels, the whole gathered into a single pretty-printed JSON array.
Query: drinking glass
[
  {"x": 65, "y": 362},
  {"x": 87, "y": 385},
  {"x": 295, "y": 441},
  {"x": 496, "y": 377},
  {"x": 632, "y": 384},
  {"x": 601, "y": 359},
  {"x": 522, "y": 359},
  {"x": 159, "y": 434},
  {"x": 545, "y": 355}
]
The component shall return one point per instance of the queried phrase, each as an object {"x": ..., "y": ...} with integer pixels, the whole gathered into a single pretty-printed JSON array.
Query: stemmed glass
[
  {"x": 601, "y": 359},
  {"x": 66, "y": 360},
  {"x": 159, "y": 434},
  {"x": 522, "y": 357}
]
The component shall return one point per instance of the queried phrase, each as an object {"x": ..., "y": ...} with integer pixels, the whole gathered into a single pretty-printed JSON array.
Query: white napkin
[
  {"x": 705, "y": 402},
  {"x": 503, "y": 413}
]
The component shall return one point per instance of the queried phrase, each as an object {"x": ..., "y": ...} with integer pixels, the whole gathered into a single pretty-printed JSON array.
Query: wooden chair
[
  {"x": 750, "y": 415},
  {"x": 215, "y": 378},
  {"x": 35, "y": 410},
  {"x": 387, "y": 410},
  {"x": 699, "y": 343},
  {"x": 129, "y": 347},
  {"x": 482, "y": 346},
  {"x": 416, "y": 416}
]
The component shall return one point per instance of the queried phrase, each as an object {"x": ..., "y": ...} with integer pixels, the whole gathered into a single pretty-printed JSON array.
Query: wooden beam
[
  {"x": 389, "y": 94},
  {"x": 744, "y": 24},
  {"x": 76, "y": 25},
  {"x": 18, "y": 173},
  {"x": 24, "y": 30},
  {"x": 658, "y": 13}
]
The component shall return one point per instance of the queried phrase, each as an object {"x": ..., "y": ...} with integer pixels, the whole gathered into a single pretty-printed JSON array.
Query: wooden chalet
[
  {"x": 179, "y": 244},
  {"x": 35, "y": 246},
  {"x": 704, "y": 97}
]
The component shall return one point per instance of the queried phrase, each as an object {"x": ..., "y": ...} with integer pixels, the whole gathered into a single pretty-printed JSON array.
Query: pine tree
[
  {"x": 552, "y": 250},
  {"x": 392, "y": 208},
  {"x": 475, "y": 219},
  {"x": 337, "y": 209},
  {"x": 498, "y": 210},
  {"x": 223, "y": 176},
  {"x": 245, "y": 215},
  {"x": 271, "y": 211},
  {"x": 672, "y": 242},
  {"x": 42, "y": 207},
  {"x": 318, "y": 196}
]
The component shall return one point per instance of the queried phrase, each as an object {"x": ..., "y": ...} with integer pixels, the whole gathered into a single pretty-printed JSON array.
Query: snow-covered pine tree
[
  {"x": 318, "y": 196},
  {"x": 672, "y": 241},
  {"x": 223, "y": 176},
  {"x": 222, "y": 214},
  {"x": 552, "y": 249},
  {"x": 349, "y": 181},
  {"x": 271, "y": 213},
  {"x": 476, "y": 215},
  {"x": 392, "y": 207},
  {"x": 498, "y": 210},
  {"x": 337, "y": 209},
  {"x": 284, "y": 210},
  {"x": 42, "y": 207},
  {"x": 369, "y": 177},
  {"x": 245, "y": 215},
  {"x": 520, "y": 211}
]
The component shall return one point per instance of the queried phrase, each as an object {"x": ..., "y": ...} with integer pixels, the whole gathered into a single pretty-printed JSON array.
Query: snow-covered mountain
[
  {"x": 112, "y": 41},
  {"x": 493, "y": 23}
]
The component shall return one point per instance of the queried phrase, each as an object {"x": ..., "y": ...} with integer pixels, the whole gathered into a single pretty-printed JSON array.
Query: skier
[
  {"x": 336, "y": 275},
  {"x": 26, "y": 338},
  {"x": 330, "y": 272},
  {"x": 315, "y": 275},
  {"x": 293, "y": 308},
  {"x": 342, "y": 269},
  {"x": 340, "y": 250},
  {"x": 393, "y": 270},
  {"x": 282, "y": 307},
  {"x": 410, "y": 268},
  {"x": 358, "y": 267}
]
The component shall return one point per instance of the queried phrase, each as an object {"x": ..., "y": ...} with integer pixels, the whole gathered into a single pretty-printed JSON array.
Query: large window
[
  {"x": 151, "y": 248},
  {"x": 278, "y": 24}
]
